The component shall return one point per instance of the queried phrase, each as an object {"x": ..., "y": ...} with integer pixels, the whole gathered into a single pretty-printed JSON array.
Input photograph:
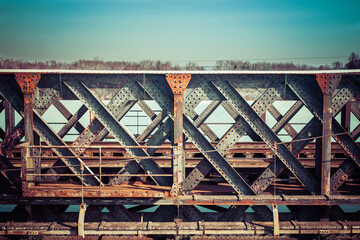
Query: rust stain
[
  {"x": 27, "y": 81},
  {"x": 178, "y": 82},
  {"x": 328, "y": 82}
]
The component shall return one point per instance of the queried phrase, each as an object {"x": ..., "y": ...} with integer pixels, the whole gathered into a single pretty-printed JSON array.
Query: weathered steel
[
  {"x": 345, "y": 116},
  {"x": 46, "y": 133},
  {"x": 338, "y": 132},
  {"x": 178, "y": 84},
  {"x": 117, "y": 130},
  {"x": 268, "y": 136},
  {"x": 204, "y": 146},
  {"x": 231, "y": 136},
  {"x": 328, "y": 84},
  {"x": 9, "y": 117},
  {"x": 63, "y": 110},
  {"x": 222, "y": 171},
  {"x": 175, "y": 228},
  {"x": 81, "y": 220},
  {"x": 73, "y": 121},
  {"x": 27, "y": 83},
  {"x": 192, "y": 100},
  {"x": 282, "y": 121},
  {"x": 276, "y": 220}
]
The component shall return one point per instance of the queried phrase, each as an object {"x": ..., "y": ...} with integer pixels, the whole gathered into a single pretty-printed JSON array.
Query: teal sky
[{"x": 179, "y": 30}]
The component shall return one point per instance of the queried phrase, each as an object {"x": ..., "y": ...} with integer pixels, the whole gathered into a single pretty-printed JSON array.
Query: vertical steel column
[
  {"x": 276, "y": 229},
  {"x": 328, "y": 83},
  {"x": 9, "y": 117},
  {"x": 27, "y": 83},
  {"x": 178, "y": 84}
]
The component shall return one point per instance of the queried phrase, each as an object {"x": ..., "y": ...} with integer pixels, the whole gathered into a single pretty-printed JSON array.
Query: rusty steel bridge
[{"x": 179, "y": 176}]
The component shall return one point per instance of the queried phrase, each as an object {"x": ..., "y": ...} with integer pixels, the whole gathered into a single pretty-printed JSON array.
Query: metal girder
[
  {"x": 197, "y": 230},
  {"x": 190, "y": 103},
  {"x": 12, "y": 138},
  {"x": 117, "y": 129},
  {"x": 342, "y": 173},
  {"x": 282, "y": 121},
  {"x": 150, "y": 128},
  {"x": 193, "y": 134},
  {"x": 231, "y": 136},
  {"x": 200, "y": 119},
  {"x": 160, "y": 136},
  {"x": 254, "y": 200},
  {"x": 46, "y": 100},
  {"x": 210, "y": 153},
  {"x": 10, "y": 172},
  {"x": 49, "y": 136},
  {"x": 239, "y": 126},
  {"x": 9, "y": 117},
  {"x": 339, "y": 133},
  {"x": 178, "y": 84},
  {"x": 73, "y": 121},
  {"x": 328, "y": 84},
  {"x": 311, "y": 130},
  {"x": 8, "y": 144},
  {"x": 104, "y": 132},
  {"x": 121, "y": 104},
  {"x": 147, "y": 110},
  {"x": 282, "y": 152},
  {"x": 63, "y": 110},
  {"x": 348, "y": 166}
]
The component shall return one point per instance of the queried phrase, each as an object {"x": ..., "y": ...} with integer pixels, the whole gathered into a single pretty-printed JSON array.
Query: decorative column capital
[
  {"x": 178, "y": 82},
  {"x": 27, "y": 82},
  {"x": 328, "y": 82}
]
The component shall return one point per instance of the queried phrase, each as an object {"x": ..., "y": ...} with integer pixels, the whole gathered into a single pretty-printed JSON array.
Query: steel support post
[
  {"x": 276, "y": 220},
  {"x": 178, "y": 84},
  {"x": 328, "y": 83},
  {"x": 9, "y": 117},
  {"x": 27, "y": 83},
  {"x": 81, "y": 220}
]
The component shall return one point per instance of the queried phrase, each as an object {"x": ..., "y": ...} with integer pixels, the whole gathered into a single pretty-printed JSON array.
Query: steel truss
[{"x": 179, "y": 177}]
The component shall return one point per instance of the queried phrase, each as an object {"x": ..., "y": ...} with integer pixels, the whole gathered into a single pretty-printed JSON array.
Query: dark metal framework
[{"x": 200, "y": 184}]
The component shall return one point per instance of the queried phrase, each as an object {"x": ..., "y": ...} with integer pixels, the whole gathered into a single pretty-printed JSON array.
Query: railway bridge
[{"x": 179, "y": 155}]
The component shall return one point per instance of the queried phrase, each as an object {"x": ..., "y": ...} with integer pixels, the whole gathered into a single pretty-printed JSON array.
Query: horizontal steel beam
[
  {"x": 179, "y": 228},
  {"x": 189, "y": 200}
]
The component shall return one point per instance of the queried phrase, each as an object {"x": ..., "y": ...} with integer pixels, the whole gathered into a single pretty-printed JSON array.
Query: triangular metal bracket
[
  {"x": 328, "y": 82},
  {"x": 27, "y": 81},
  {"x": 178, "y": 82}
]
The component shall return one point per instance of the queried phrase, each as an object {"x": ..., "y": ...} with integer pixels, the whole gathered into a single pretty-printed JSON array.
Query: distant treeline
[{"x": 96, "y": 64}]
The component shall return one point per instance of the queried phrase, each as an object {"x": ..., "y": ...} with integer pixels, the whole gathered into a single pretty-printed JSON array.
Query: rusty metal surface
[{"x": 181, "y": 148}]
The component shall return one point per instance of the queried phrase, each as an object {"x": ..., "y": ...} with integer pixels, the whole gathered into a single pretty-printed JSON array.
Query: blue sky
[{"x": 179, "y": 30}]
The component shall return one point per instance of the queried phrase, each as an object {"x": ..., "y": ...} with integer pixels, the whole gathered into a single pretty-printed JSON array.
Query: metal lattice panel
[{"x": 257, "y": 153}]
